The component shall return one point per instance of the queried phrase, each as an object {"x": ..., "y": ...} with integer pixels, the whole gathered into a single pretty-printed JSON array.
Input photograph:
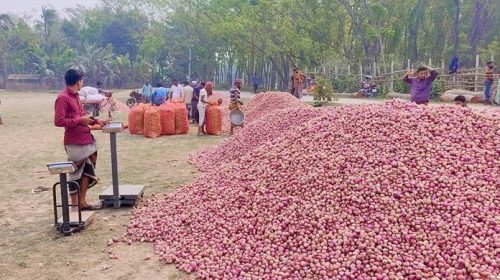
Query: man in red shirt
[{"x": 79, "y": 143}]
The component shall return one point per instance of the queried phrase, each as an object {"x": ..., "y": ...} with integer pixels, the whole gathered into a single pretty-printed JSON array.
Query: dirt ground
[{"x": 30, "y": 247}]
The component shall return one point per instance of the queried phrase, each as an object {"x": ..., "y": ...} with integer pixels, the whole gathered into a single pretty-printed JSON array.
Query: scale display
[
  {"x": 61, "y": 167},
  {"x": 113, "y": 127}
]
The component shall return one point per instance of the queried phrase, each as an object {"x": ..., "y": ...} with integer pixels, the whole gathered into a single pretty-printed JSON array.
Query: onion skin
[{"x": 386, "y": 191}]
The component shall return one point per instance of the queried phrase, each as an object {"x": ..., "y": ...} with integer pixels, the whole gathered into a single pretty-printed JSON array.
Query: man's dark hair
[
  {"x": 73, "y": 76},
  {"x": 489, "y": 62},
  {"x": 186, "y": 83},
  {"x": 158, "y": 84},
  {"x": 99, "y": 83},
  {"x": 203, "y": 84},
  {"x": 174, "y": 81},
  {"x": 460, "y": 98},
  {"x": 421, "y": 68}
]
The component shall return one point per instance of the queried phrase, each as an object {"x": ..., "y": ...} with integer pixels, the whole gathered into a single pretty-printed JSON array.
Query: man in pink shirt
[{"x": 79, "y": 143}]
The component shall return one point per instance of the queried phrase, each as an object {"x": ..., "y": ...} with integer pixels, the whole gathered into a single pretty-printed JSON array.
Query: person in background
[
  {"x": 175, "y": 90},
  {"x": 298, "y": 83},
  {"x": 194, "y": 102},
  {"x": 159, "y": 95},
  {"x": 255, "y": 82},
  {"x": 79, "y": 143},
  {"x": 147, "y": 91},
  {"x": 488, "y": 82},
  {"x": 460, "y": 101},
  {"x": 420, "y": 86},
  {"x": 187, "y": 94},
  {"x": 202, "y": 105},
  {"x": 102, "y": 91},
  {"x": 235, "y": 95}
]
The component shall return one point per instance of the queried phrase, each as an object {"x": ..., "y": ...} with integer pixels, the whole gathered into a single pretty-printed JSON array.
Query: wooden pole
[
  {"x": 391, "y": 88},
  {"x": 430, "y": 62},
  {"x": 442, "y": 65},
  {"x": 374, "y": 70},
  {"x": 409, "y": 64},
  {"x": 336, "y": 72},
  {"x": 361, "y": 72},
  {"x": 349, "y": 69},
  {"x": 476, "y": 78}
]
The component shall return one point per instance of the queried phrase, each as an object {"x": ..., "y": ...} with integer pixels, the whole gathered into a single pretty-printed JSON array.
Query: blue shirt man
[
  {"x": 147, "y": 91},
  {"x": 159, "y": 95}
]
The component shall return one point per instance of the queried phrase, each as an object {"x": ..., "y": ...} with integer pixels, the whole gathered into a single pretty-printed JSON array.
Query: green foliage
[
  {"x": 323, "y": 92},
  {"x": 401, "y": 87},
  {"x": 346, "y": 84},
  {"x": 437, "y": 88}
]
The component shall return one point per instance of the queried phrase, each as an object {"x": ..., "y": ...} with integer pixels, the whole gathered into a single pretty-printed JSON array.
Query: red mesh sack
[
  {"x": 152, "y": 126},
  {"x": 136, "y": 120},
  {"x": 181, "y": 119},
  {"x": 213, "y": 116},
  {"x": 167, "y": 120}
]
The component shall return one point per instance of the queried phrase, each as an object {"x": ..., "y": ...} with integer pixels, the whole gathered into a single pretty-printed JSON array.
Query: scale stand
[
  {"x": 70, "y": 222},
  {"x": 117, "y": 195}
]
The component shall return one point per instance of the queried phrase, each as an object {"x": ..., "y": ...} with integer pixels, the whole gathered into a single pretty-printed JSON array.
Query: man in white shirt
[
  {"x": 187, "y": 94},
  {"x": 176, "y": 90}
]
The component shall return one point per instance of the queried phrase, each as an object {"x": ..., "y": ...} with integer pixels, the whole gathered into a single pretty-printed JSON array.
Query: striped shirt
[
  {"x": 235, "y": 94},
  {"x": 489, "y": 74}
]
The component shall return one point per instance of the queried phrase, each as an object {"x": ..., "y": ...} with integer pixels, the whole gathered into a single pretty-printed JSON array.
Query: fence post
[
  {"x": 430, "y": 62},
  {"x": 324, "y": 70},
  {"x": 349, "y": 69},
  {"x": 361, "y": 72},
  {"x": 409, "y": 64},
  {"x": 336, "y": 72},
  {"x": 442, "y": 65},
  {"x": 476, "y": 79},
  {"x": 492, "y": 57},
  {"x": 391, "y": 88}
]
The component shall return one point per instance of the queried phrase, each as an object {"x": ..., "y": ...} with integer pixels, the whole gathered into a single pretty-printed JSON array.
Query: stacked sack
[
  {"x": 153, "y": 121},
  {"x": 213, "y": 116}
]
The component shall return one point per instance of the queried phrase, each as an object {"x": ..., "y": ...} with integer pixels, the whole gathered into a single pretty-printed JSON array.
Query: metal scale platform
[
  {"x": 70, "y": 221},
  {"x": 117, "y": 195}
]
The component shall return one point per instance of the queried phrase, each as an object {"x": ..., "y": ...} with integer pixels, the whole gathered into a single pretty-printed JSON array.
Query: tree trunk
[
  {"x": 418, "y": 14},
  {"x": 456, "y": 30}
]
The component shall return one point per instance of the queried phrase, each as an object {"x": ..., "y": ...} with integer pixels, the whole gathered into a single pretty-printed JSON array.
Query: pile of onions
[
  {"x": 386, "y": 191},
  {"x": 267, "y": 102},
  {"x": 255, "y": 134}
]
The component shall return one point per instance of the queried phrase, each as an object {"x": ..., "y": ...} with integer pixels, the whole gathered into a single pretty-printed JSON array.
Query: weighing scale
[
  {"x": 117, "y": 195},
  {"x": 70, "y": 221}
]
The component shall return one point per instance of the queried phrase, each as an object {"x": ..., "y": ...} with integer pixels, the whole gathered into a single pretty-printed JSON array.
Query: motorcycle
[{"x": 369, "y": 89}]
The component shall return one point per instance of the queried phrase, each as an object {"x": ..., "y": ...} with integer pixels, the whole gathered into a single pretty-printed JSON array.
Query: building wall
[{"x": 26, "y": 86}]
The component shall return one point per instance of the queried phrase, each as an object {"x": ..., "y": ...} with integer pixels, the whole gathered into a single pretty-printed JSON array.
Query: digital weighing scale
[
  {"x": 117, "y": 195},
  {"x": 70, "y": 221}
]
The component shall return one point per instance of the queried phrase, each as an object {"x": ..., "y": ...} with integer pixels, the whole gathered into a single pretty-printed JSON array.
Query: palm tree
[
  {"x": 95, "y": 62},
  {"x": 49, "y": 17}
]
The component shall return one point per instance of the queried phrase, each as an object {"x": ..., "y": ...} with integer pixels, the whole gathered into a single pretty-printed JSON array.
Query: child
[{"x": 460, "y": 101}]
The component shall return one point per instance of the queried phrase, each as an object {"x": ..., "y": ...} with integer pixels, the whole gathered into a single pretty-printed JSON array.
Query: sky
[{"x": 34, "y": 7}]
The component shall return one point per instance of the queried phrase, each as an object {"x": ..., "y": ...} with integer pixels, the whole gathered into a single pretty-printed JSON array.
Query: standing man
[
  {"x": 175, "y": 90},
  {"x": 255, "y": 82},
  {"x": 420, "y": 86},
  {"x": 194, "y": 101},
  {"x": 298, "y": 83},
  {"x": 235, "y": 95},
  {"x": 488, "y": 82},
  {"x": 79, "y": 143},
  {"x": 147, "y": 91},
  {"x": 187, "y": 94}
]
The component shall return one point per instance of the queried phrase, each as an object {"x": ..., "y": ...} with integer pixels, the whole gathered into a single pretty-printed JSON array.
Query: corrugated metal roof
[{"x": 24, "y": 77}]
